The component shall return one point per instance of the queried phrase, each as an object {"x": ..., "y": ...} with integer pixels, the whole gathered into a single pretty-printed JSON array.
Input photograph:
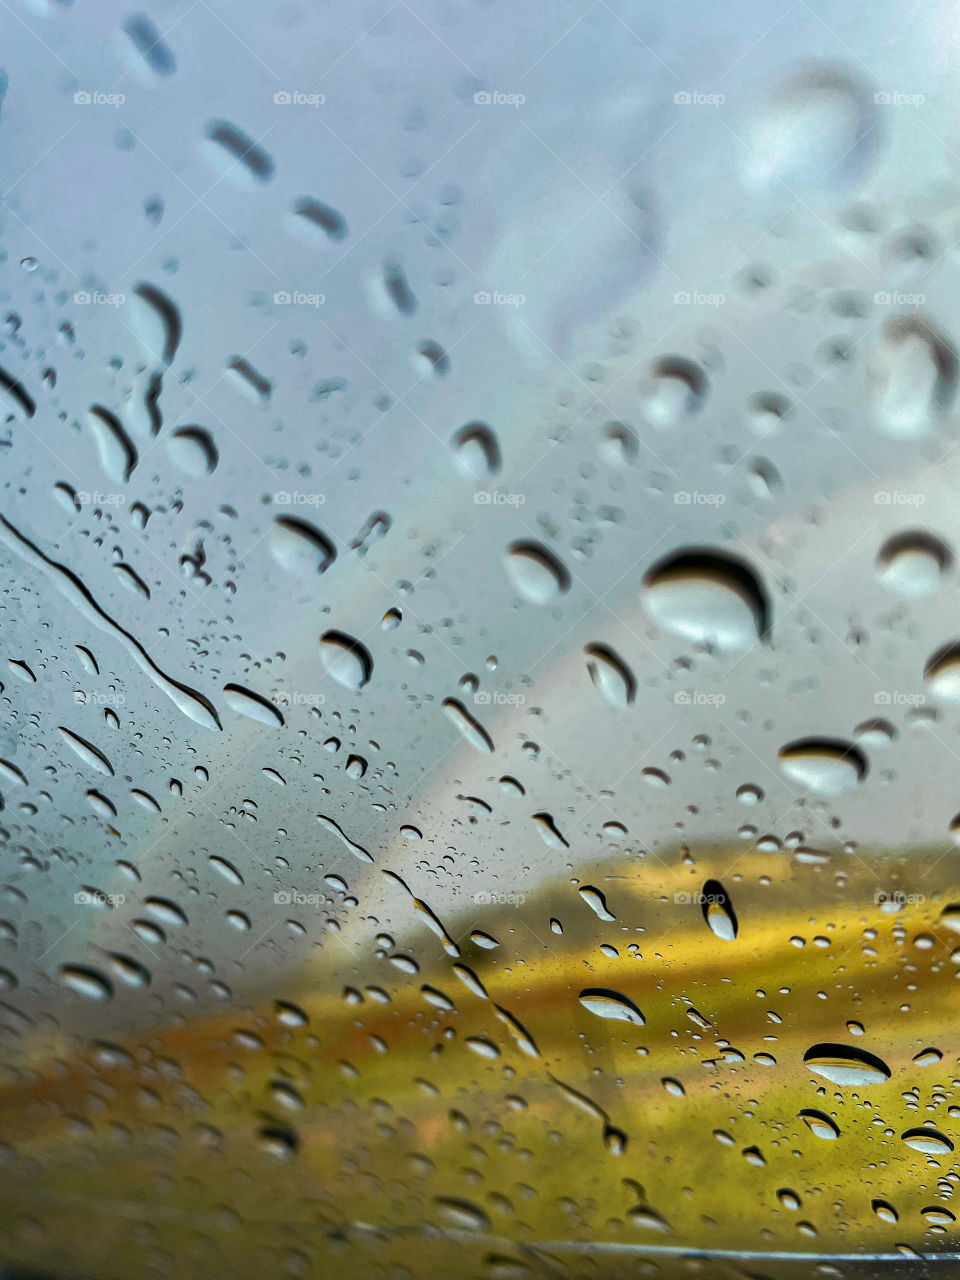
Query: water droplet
[
  {"x": 232, "y": 154},
  {"x": 820, "y": 1124},
  {"x": 116, "y": 452},
  {"x": 611, "y": 675},
  {"x": 708, "y": 598},
  {"x": 675, "y": 390},
  {"x": 477, "y": 450},
  {"x": 247, "y": 703},
  {"x": 817, "y": 129},
  {"x": 472, "y": 730},
  {"x": 846, "y": 1065},
  {"x": 718, "y": 910},
  {"x": 345, "y": 659},
  {"x": 913, "y": 563},
  {"x": 606, "y": 1003},
  {"x": 825, "y": 765},
  {"x": 88, "y": 753},
  {"x": 536, "y": 573},
  {"x": 318, "y": 222},
  {"x": 86, "y": 981},
  {"x": 595, "y": 901},
  {"x": 193, "y": 451},
  {"x": 930, "y": 1141},
  {"x": 912, "y": 378},
  {"x": 156, "y": 321},
  {"x": 942, "y": 673}
]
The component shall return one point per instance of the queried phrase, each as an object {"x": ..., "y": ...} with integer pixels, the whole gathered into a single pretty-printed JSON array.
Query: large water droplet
[
  {"x": 913, "y": 563},
  {"x": 606, "y": 1003},
  {"x": 815, "y": 130},
  {"x": 708, "y": 598},
  {"x": 930, "y": 1141},
  {"x": 826, "y": 765},
  {"x": 843, "y": 1064},
  {"x": 718, "y": 910}
]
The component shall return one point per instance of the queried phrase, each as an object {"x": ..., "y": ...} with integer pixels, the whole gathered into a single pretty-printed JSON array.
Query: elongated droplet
[
  {"x": 116, "y": 452},
  {"x": 718, "y": 910},
  {"x": 345, "y": 659},
  {"x": 913, "y": 378},
  {"x": 606, "y": 1003},
  {"x": 357, "y": 850},
  {"x": 88, "y": 753},
  {"x": 930, "y": 1141},
  {"x": 247, "y": 703},
  {"x": 470, "y": 728},
  {"x": 843, "y": 1064},
  {"x": 611, "y": 675},
  {"x": 595, "y": 901}
]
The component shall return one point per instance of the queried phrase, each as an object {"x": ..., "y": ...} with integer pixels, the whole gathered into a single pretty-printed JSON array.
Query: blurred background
[{"x": 479, "y": 659}]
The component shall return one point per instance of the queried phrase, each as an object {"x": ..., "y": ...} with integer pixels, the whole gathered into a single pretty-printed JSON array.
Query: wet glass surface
[{"x": 479, "y": 655}]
